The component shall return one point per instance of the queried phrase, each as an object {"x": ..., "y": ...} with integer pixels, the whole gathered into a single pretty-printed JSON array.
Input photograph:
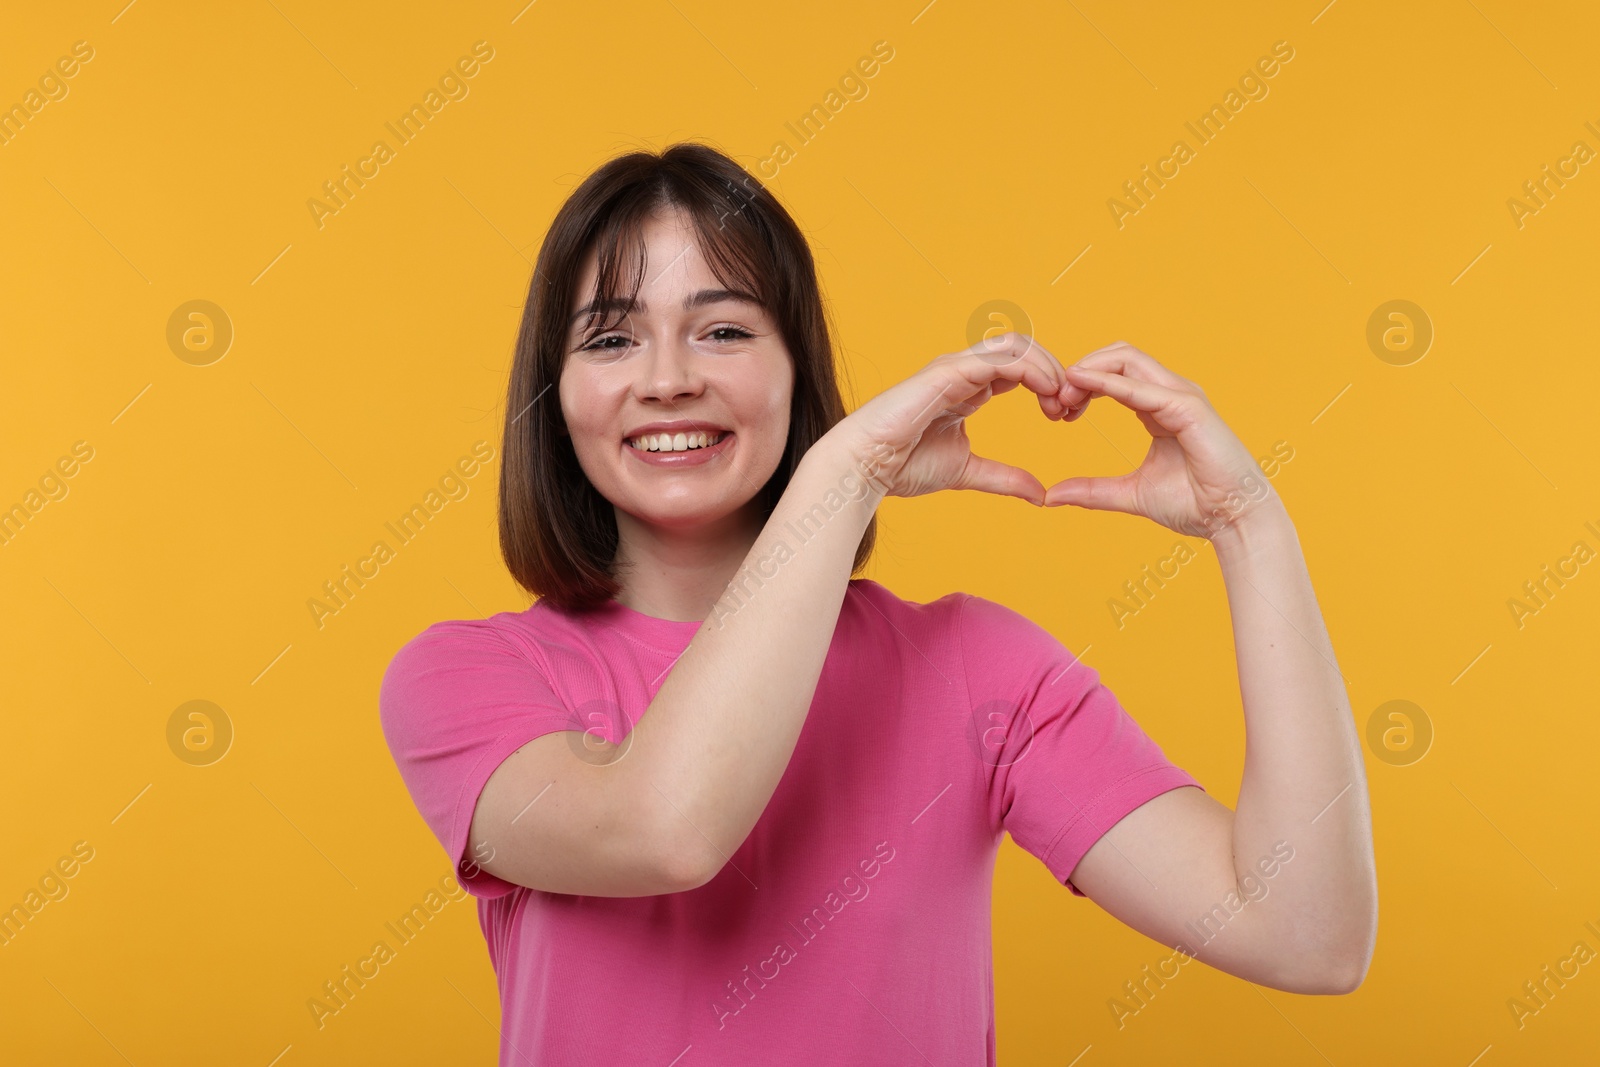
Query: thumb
[
  {"x": 992, "y": 476},
  {"x": 1100, "y": 494}
]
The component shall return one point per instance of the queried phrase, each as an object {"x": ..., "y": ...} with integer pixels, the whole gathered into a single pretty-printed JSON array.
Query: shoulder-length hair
[{"x": 558, "y": 534}]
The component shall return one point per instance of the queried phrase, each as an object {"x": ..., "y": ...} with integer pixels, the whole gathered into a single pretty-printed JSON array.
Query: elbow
[
  {"x": 686, "y": 863},
  {"x": 1325, "y": 966},
  {"x": 682, "y": 870},
  {"x": 688, "y": 868},
  {"x": 1342, "y": 979},
  {"x": 665, "y": 843},
  {"x": 1338, "y": 962},
  {"x": 1323, "y": 976},
  {"x": 1353, "y": 958},
  {"x": 681, "y": 845},
  {"x": 1340, "y": 969}
]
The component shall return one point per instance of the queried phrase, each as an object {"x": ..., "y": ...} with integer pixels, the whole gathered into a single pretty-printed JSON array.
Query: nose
[{"x": 670, "y": 373}]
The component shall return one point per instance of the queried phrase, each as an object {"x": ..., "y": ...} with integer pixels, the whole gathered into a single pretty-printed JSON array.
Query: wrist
[
  {"x": 850, "y": 468},
  {"x": 1264, "y": 524}
]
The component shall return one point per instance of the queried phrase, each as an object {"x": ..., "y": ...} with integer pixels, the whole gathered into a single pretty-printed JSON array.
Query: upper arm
[
  {"x": 489, "y": 750},
  {"x": 1079, "y": 784},
  {"x": 1167, "y": 870},
  {"x": 554, "y": 817}
]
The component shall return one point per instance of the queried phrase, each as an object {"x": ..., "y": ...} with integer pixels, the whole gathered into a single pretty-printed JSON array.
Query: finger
[
  {"x": 1051, "y": 406},
  {"x": 1034, "y": 346},
  {"x": 981, "y": 368},
  {"x": 1172, "y": 409},
  {"x": 1124, "y": 358},
  {"x": 1011, "y": 346},
  {"x": 996, "y": 387},
  {"x": 992, "y": 476},
  {"x": 965, "y": 382},
  {"x": 1021, "y": 346},
  {"x": 1099, "y": 494},
  {"x": 1011, "y": 343}
]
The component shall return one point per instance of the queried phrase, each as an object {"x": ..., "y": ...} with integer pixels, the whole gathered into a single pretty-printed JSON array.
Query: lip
[
  {"x": 677, "y": 426},
  {"x": 694, "y": 457}
]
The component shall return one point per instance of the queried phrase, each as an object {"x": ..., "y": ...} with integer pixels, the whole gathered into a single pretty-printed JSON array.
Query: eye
[
  {"x": 727, "y": 334},
  {"x": 599, "y": 344}
]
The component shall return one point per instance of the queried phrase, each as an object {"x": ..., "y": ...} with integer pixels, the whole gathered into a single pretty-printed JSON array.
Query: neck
[{"x": 679, "y": 573}]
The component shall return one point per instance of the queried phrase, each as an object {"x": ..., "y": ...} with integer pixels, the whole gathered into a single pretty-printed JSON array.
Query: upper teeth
[{"x": 680, "y": 442}]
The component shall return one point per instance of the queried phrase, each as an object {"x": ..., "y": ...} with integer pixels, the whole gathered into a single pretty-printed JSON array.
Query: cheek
[
  {"x": 779, "y": 403},
  {"x": 762, "y": 413},
  {"x": 780, "y": 398},
  {"x": 771, "y": 405},
  {"x": 585, "y": 411}
]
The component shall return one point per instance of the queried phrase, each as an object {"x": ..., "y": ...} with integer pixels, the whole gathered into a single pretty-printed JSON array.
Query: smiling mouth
[{"x": 681, "y": 442}]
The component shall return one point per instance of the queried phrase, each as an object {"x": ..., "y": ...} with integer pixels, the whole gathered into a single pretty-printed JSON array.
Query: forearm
[
  {"x": 1304, "y": 781},
  {"x": 716, "y": 739}
]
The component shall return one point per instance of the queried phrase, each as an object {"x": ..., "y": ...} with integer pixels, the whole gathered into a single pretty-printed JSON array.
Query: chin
[
  {"x": 684, "y": 516},
  {"x": 688, "y": 515}
]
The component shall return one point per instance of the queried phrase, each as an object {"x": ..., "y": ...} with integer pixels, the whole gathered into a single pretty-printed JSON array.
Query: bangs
[{"x": 731, "y": 245}]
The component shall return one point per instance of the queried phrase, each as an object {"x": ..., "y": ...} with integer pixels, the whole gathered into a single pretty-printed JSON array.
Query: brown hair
[{"x": 558, "y": 534}]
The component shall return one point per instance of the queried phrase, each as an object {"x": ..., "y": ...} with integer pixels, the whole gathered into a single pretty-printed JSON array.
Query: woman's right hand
[{"x": 911, "y": 438}]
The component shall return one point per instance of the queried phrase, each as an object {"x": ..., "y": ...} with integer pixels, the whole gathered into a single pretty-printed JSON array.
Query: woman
[{"x": 723, "y": 803}]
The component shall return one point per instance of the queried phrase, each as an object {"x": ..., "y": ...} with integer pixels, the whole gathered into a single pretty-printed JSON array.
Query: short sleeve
[
  {"x": 455, "y": 701},
  {"x": 1065, "y": 761}
]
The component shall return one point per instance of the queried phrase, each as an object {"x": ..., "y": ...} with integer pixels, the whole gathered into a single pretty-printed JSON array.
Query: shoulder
[
  {"x": 457, "y": 661},
  {"x": 965, "y": 617},
  {"x": 449, "y": 640},
  {"x": 874, "y": 600},
  {"x": 961, "y": 628},
  {"x": 999, "y": 642},
  {"x": 522, "y": 634},
  {"x": 981, "y": 617}
]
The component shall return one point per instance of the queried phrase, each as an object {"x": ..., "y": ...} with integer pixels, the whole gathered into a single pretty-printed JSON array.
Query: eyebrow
[{"x": 690, "y": 303}]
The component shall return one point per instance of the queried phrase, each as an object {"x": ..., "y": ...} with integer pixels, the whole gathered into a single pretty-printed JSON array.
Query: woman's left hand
[{"x": 1198, "y": 478}]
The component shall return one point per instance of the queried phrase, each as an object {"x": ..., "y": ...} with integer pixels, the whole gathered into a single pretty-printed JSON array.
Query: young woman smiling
[{"x": 665, "y": 780}]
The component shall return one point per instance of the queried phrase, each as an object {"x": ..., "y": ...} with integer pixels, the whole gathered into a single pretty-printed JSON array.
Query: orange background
[{"x": 369, "y": 353}]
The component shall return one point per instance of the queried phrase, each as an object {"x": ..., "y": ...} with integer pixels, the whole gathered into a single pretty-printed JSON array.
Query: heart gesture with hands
[
  {"x": 911, "y": 439},
  {"x": 1197, "y": 479}
]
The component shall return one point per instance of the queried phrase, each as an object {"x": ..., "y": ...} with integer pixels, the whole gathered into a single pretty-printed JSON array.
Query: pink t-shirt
[{"x": 853, "y": 924}]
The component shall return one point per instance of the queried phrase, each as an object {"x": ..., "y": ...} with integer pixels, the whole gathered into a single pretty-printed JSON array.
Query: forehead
[
  {"x": 673, "y": 274},
  {"x": 673, "y": 259}
]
